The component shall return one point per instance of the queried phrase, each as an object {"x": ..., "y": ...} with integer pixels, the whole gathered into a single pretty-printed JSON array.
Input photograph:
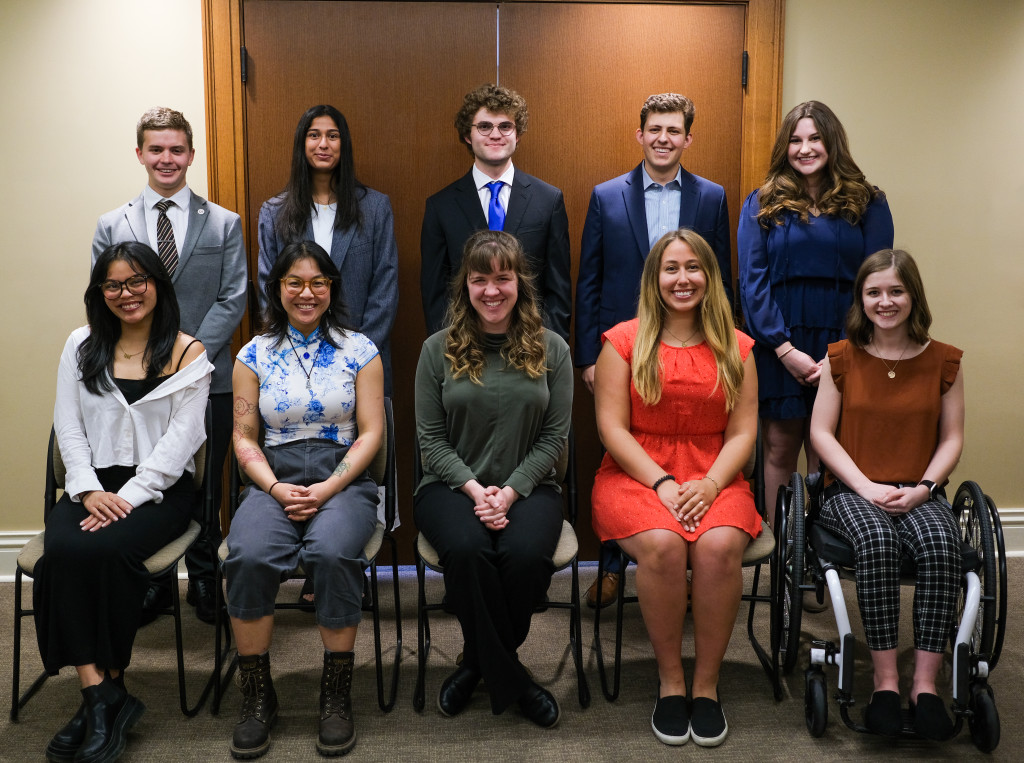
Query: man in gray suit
[{"x": 201, "y": 245}]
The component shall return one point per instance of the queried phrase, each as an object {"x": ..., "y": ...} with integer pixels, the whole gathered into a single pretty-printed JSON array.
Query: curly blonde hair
[
  {"x": 714, "y": 319},
  {"x": 845, "y": 192},
  {"x": 524, "y": 348}
]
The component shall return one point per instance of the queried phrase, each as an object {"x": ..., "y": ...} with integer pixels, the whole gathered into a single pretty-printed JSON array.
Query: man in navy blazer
[
  {"x": 626, "y": 217},
  {"x": 629, "y": 214},
  {"x": 209, "y": 282},
  {"x": 491, "y": 122}
]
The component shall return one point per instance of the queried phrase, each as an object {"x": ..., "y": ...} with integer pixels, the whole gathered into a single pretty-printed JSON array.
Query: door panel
[{"x": 398, "y": 71}]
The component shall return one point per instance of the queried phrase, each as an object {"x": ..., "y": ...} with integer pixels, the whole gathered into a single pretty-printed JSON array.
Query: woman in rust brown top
[{"x": 889, "y": 423}]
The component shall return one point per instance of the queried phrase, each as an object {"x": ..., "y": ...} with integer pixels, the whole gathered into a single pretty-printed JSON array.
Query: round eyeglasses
[
  {"x": 294, "y": 285},
  {"x": 112, "y": 289},
  {"x": 505, "y": 128}
]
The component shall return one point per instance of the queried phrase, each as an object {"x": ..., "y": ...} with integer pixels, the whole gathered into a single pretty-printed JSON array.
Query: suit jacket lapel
[
  {"x": 688, "y": 201},
  {"x": 468, "y": 200},
  {"x": 636, "y": 210},
  {"x": 341, "y": 240},
  {"x": 135, "y": 216},
  {"x": 197, "y": 215},
  {"x": 518, "y": 201}
]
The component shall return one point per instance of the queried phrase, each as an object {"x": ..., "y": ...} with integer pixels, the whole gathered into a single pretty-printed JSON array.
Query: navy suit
[
  {"x": 615, "y": 245},
  {"x": 536, "y": 216}
]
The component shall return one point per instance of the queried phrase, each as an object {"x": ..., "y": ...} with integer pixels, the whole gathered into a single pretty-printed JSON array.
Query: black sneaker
[
  {"x": 671, "y": 720},
  {"x": 707, "y": 722}
]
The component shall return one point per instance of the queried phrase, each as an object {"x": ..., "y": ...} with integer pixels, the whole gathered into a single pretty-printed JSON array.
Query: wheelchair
[{"x": 816, "y": 559}]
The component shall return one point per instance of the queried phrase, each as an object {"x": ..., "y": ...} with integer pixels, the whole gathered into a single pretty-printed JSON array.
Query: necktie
[
  {"x": 495, "y": 212},
  {"x": 166, "y": 247}
]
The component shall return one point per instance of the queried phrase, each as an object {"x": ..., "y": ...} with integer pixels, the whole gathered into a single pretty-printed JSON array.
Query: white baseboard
[{"x": 12, "y": 542}]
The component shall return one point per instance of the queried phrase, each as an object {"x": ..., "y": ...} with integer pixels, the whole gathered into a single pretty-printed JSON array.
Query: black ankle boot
[
  {"x": 110, "y": 712},
  {"x": 259, "y": 707},
  {"x": 65, "y": 743},
  {"x": 337, "y": 732}
]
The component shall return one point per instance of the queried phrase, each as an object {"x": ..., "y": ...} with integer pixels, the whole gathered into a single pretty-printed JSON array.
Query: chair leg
[
  {"x": 613, "y": 693},
  {"x": 18, "y": 700},
  {"x": 576, "y": 639},
  {"x": 388, "y": 704},
  {"x": 221, "y": 626}
]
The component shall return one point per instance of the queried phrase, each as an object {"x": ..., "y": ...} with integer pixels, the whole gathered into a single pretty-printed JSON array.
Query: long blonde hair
[
  {"x": 714, "y": 320},
  {"x": 845, "y": 192},
  {"x": 524, "y": 347}
]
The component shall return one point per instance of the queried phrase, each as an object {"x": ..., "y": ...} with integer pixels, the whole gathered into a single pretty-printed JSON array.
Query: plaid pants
[{"x": 929, "y": 535}]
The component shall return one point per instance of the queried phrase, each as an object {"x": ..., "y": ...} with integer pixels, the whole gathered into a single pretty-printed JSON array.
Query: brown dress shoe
[{"x": 609, "y": 585}]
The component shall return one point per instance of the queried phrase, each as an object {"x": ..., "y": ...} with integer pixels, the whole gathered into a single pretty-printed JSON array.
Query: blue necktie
[{"x": 495, "y": 212}]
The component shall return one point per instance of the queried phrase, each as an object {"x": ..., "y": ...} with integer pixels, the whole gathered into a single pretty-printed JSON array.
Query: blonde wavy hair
[
  {"x": 714, "y": 320},
  {"x": 845, "y": 192},
  {"x": 524, "y": 348}
]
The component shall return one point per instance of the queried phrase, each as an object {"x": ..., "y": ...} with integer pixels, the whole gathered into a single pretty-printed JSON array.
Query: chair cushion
[
  {"x": 31, "y": 553},
  {"x": 760, "y": 548}
]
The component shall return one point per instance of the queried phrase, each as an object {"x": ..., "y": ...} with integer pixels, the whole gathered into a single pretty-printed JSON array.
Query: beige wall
[{"x": 929, "y": 91}]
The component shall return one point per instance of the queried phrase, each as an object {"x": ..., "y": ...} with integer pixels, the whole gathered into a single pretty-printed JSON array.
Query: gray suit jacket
[
  {"x": 367, "y": 258},
  {"x": 210, "y": 279}
]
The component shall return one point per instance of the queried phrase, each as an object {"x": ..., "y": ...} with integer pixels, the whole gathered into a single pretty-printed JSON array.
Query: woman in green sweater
[{"x": 493, "y": 407}]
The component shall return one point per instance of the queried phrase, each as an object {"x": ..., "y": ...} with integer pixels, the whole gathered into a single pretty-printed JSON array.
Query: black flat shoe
[
  {"x": 883, "y": 715},
  {"x": 931, "y": 721},
  {"x": 457, "y": 690},
  {"x": 707, "y": 722},
  {"x": 201, "y": 596},
  {"x": 670, "y": 720},
  {"x": 540, "y": 706}
]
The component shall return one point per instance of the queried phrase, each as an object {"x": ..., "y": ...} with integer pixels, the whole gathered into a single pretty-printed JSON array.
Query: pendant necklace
[
  {"x": 682, "y": 341},
  {"x": 892, "y": 368},
  {"x": 126, "y": 355},
  {"x": 309, "y": 373}
]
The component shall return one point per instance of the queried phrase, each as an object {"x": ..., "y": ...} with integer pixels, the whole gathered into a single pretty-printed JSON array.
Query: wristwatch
[{"x": 932, "y": 488}]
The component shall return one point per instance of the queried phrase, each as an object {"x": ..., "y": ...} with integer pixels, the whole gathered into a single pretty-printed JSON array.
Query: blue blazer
[
  {"x": 615, "y": 246},
  {"x": 536, "y": 216},
  {"x": 210, "y": 279},
  {"x": 367, "y": 257}
]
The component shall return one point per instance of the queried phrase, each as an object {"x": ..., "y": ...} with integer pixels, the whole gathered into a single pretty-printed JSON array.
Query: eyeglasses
[
  {"x": 505, "y": 128},
  {"x": 294, "y": 285},
  {"x": 135, "y": 285}
]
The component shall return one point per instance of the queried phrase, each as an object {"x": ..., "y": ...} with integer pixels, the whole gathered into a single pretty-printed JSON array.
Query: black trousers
[
  {"x": 200, "y": 557},
  {"x": 494, "y": 579}
]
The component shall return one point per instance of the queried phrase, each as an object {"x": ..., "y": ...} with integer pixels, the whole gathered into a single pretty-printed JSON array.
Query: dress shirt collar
[
  {"x": 678, "y": 179},
  {"x": 482, "y": 180},
  {"x": 182, "y": 199}
]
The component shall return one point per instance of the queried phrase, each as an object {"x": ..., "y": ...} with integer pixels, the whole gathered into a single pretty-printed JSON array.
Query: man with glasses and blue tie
[
  {"x": 201, "y": 246},
  {"x": 497, "y": 196}
]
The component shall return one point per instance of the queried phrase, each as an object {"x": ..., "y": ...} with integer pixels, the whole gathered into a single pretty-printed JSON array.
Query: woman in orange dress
[{"x": 676, "y": 397}]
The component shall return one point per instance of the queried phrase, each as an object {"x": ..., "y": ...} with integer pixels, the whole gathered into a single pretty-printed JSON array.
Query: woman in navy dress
[{"x": 802, "y": 236}]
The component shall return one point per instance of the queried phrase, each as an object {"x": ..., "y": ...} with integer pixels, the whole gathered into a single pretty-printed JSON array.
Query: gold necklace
[
  {"x": 126, "y": 355},
  {"x": 892, "y": 368},
  {"x": 682, "y": 342}
]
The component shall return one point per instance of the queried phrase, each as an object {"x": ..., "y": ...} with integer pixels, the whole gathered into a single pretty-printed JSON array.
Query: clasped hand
[
  {"x": 299, "y": 501},
  {"x": 104, "y": 508},
  {"x": 688, "y": 502},
  {"x": 803, "y": 367},
  {"x": 491, "y": 504},
  {"x": 895, "y": 500}
]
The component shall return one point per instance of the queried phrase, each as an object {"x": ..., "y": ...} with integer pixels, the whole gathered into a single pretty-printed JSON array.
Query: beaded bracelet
[
  {"x": 709, "y": 477},
  {"x": 658, "y": 482}
]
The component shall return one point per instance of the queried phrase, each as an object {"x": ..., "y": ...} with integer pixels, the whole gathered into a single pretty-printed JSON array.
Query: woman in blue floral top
[{"x": 311, "y": 501}]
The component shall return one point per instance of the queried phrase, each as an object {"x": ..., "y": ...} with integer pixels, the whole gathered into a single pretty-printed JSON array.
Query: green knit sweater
[{"x": 509, "y": 430}]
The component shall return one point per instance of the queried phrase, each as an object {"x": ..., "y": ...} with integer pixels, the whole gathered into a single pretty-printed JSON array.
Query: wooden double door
[{"x": 399, "y": 70}]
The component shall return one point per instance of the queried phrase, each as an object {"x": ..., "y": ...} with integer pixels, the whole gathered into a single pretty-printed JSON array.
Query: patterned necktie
[
  {"x": 495, "y": 212},
  {"x": 166, "y": 247}
]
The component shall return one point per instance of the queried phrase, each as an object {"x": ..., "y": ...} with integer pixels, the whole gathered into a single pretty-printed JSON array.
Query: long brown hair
[
  {"x": 845, "y": 192},
  {"x": 524, "y": 346},
  {"x": 714, "y": 319}
]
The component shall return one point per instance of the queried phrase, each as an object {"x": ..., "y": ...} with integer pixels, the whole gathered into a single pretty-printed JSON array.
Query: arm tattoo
[
  {"x": 243, "y": 406},
  {"x": 343, "y": 467},
  {"x": 248, "y": 456}
]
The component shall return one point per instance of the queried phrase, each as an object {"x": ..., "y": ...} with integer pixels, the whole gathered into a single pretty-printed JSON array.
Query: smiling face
[
  {"x": 304, "y": 309},
  {"x": 166, "y": 156},
  {"x": 132, "y": 309},
  {"x": 493, "y": 295},
  {"x": 492, "y": 152},
  {"x": 681, "y": 279},
  {"x": 807, "y": 153},
  {"x": 664, "y": 138},
  {"x": 885, "y": 300},
  {"x": 323, "y": 144}
]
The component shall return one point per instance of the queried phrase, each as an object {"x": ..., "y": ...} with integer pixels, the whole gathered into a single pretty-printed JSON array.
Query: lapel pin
[{"x": 200, "y": 211}]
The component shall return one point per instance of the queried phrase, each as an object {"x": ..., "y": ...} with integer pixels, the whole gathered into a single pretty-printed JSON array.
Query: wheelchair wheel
[
  {"x": 792, "y": 596},
  {"x": 971, "y": 509},
  {"x": 1000, "y": 549},
  {"x": 815, "y": 701},
  {"x": 984, "y": 718}
]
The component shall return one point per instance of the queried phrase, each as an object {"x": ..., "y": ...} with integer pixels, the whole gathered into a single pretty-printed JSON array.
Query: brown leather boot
[
  {"x": 603, "y": 589},
  {"x": 259, "y": 707},
  {"x": 337, "y": 732}
]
